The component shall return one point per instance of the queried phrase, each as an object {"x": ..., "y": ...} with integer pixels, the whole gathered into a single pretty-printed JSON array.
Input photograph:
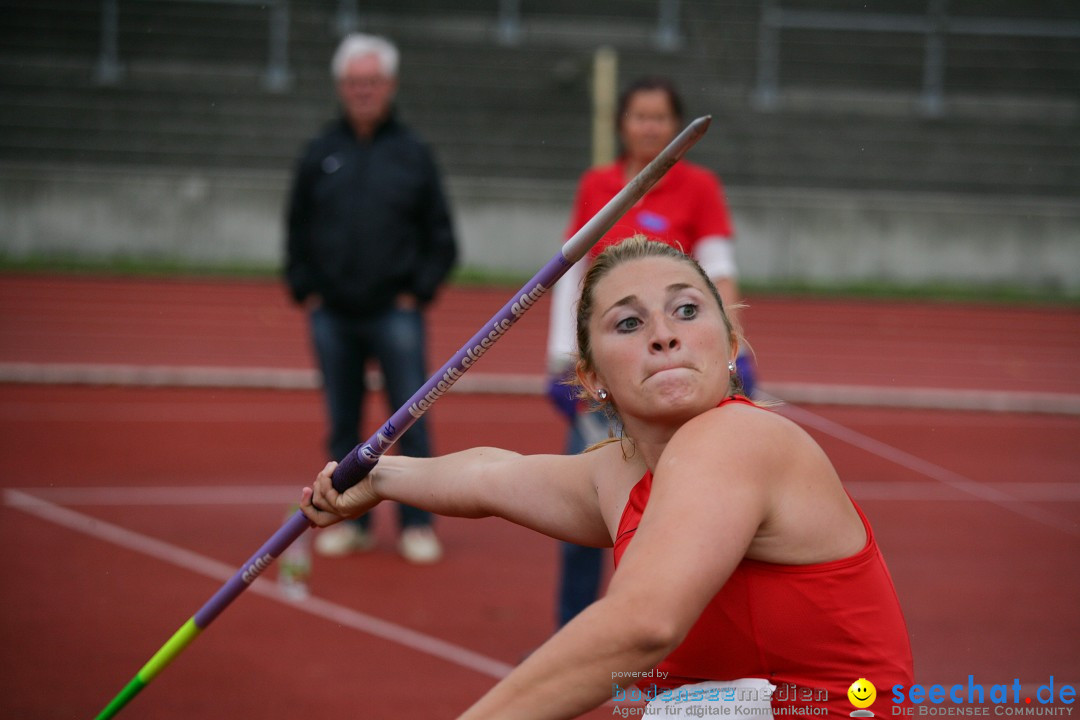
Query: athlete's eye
[
  {"x": 628, "y": 324},
  {"x": 686, "y": 311}
]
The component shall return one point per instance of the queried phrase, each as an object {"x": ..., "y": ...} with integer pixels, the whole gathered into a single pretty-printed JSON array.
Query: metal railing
[
  {"x": 936, "y": 25},
  {"x": 110, "y": 70}
]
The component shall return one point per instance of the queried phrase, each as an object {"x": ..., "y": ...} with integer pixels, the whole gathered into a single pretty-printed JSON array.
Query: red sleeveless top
[{"x": 811, "y": 630}]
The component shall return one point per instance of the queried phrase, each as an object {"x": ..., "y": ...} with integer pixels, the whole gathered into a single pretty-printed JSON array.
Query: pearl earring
[
  {"x": 602, "y": 394},
  {"x": 731, "y": 366}
]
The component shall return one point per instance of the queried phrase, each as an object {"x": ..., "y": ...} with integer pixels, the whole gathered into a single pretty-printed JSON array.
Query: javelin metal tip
[{"x": 700, "y": 125}]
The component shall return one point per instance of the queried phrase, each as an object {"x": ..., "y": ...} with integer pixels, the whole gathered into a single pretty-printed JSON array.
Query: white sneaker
[
  {"x": 419, "y": 545},
  {"x": 342, "y": 539}
]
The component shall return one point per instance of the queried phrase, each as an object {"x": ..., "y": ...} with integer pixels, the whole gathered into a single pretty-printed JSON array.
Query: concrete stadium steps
[
  {"x": 1036, "y": 66},
  {"x": 810, "y": 149},
  {"x": 893, "y": 61},
  {"x": 516, "y": 113},
  {"x": 192, "y": 93},
  {"x": 64, "y": 28},
  {"x": 155, "y": 116},
  {"x": 184, "y": 30}
]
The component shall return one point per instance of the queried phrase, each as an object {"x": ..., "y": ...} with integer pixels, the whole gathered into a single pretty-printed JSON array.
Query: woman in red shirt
[
  {"x": 740, "y": 555},
  {"x": 685, "y": 209}
]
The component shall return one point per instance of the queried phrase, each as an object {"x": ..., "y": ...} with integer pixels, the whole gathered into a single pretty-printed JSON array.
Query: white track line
[
  {"x": 282, "y": 495},
  {"x": 956, "y": 481},
  {"x": 234, "y": 377},
  {"x": 525, "y": 384},
  {"x": 922, "y": 491},
  {"x": 167, "y": 496},
  {"x": 220, "y": 572},
  {"x": 207, "y": 567},
  {"x": 927, "y": 398}
]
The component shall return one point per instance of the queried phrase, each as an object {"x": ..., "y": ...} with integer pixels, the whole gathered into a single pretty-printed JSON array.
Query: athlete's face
[
  {"x": 648, "y": 125},
  {"x": 659, "y": 343}
]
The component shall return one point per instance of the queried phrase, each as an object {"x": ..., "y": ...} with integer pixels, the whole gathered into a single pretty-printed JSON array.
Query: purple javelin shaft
[
  {"x": 364, "y": 457},
  {"x": 293, "y": 528}
]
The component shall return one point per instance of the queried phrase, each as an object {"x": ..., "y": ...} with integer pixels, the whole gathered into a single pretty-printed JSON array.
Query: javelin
[{"x": 360, "y": 461}]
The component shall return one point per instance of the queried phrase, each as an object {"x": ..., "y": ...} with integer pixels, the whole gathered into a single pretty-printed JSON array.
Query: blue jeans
[
  {"x": 581, "y": 567},
  {"x": 395, "y": 338}
]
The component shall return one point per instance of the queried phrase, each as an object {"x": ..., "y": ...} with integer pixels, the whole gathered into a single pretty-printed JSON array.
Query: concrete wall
[
  {"x": 818, "y": 237},
  {"x": 96, "y": 213},
  {"x": 907, "y": 238}
]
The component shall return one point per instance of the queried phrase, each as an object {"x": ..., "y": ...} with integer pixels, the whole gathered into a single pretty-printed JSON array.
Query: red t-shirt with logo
[{"x": 686, "y": 205}]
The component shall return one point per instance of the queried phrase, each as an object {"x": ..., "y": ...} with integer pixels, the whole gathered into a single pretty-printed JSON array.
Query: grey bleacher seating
[{"x": 191, "y": 94}]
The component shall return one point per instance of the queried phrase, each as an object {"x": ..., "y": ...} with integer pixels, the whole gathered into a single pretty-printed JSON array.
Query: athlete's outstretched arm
[{"x": 552, "y": 494}]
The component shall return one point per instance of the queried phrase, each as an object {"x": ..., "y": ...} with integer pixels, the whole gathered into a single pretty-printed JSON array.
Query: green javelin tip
[
  {"x": 130, "y": 690},
  {"x": 180, "y": 640}
]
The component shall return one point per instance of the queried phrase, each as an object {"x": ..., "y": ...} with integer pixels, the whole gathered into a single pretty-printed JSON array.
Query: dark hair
[
  {"x": 634, "y": 248},
  {"x": 646, "y": 84}
]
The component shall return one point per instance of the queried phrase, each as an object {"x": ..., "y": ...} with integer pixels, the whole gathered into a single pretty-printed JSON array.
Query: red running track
[
  {"x": 989, "y": 585},
  {"x": 46, "y": 319}
]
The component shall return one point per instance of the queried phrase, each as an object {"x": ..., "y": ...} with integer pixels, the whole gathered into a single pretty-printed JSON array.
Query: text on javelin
[{"x": 474, "y": 353}]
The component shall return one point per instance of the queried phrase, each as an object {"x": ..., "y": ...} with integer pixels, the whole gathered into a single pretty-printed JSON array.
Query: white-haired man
[{"x": 369, "y": 242}]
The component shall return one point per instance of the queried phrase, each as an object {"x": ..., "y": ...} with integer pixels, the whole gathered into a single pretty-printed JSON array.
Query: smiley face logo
[{"x": 862, "y": 694}]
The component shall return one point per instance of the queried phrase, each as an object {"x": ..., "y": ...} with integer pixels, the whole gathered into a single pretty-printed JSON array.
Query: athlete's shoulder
[
  {"x": 740, "y": 427},
  {"x": 734, "y": 453}
]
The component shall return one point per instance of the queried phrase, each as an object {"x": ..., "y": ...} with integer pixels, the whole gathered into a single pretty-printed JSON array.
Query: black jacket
[{"x": 367, "y": 220}]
